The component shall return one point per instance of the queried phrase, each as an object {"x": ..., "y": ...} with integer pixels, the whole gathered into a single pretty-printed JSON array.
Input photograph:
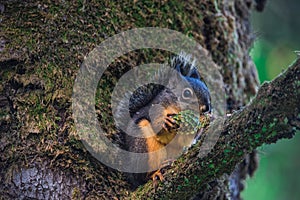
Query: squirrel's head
[{"x": 190, "y": 89}]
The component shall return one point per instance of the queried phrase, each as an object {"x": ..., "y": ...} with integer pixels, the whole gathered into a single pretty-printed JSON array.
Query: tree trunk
[{"x": 42, "y": 47}]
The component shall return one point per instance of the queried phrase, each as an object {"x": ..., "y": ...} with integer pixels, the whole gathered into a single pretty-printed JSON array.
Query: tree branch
[{"x": 272, "y": 115}]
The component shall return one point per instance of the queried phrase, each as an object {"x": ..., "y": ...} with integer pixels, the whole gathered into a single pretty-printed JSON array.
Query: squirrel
[{"x": 152, "y": 107}]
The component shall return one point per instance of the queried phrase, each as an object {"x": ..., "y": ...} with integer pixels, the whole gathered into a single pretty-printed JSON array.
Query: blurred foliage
[{"x": 277, "y": 30}]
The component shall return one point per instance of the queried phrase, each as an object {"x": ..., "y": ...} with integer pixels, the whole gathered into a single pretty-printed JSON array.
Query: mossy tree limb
[{"x": 272, "y": 115}]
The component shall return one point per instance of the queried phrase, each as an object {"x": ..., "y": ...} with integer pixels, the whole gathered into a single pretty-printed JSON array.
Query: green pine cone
[{"x": 189, "y": 122}]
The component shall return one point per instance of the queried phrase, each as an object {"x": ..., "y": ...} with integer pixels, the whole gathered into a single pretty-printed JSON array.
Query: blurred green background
[{"x": 278, "y": 30}]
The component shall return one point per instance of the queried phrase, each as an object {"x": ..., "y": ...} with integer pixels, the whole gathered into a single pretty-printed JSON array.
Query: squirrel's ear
[
  {"x": 178, "y": 68},
  {"x": 194, "y": 74}
]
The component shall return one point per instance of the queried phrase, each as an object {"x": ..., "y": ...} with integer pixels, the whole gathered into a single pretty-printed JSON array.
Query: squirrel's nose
[{"x": 204, "y": 108}]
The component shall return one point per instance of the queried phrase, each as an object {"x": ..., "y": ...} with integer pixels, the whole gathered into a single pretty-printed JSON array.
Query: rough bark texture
[{"x": 42, "y": 45}]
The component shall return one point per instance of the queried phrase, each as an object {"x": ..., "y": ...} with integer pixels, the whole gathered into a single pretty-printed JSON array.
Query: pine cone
[{"x": 190, "y": 122}]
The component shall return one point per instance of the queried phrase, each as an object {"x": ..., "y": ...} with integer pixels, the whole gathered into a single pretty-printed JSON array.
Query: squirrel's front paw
[{"x": 170, "y": 124}]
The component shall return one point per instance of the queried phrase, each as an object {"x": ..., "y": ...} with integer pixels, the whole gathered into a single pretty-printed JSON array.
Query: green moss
[
  {"x": 297, "y": 83},
  {"x": 285, "y": 120},
  {"x": 273, "y": 134},
  {"x": 198, "y": 180},
  {"x": 272, "y": 125},
  {"x": 257, "y": 136},
  {"x": 227, "y": 150},
  {"x": 186, "y": 181},
  {"x": 264, "y": 129},
  {"x": 179, "y": 187}
]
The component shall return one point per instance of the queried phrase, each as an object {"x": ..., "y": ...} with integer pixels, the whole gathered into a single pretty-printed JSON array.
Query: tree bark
[{"x": 42, "y": 45}]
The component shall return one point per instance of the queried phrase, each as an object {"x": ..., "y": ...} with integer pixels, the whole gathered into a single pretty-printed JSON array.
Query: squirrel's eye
[{"x": 187, "y": 93}]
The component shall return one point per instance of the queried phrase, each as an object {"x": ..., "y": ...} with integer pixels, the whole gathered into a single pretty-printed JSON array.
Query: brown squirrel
[{"x": 152, "y": 107}]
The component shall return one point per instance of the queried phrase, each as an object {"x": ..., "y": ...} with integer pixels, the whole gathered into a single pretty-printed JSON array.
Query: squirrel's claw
[
  {"x": 155, "y": 177},
  {"x": 170, "y": 123},
  {"x": 158, "y": 175}
]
